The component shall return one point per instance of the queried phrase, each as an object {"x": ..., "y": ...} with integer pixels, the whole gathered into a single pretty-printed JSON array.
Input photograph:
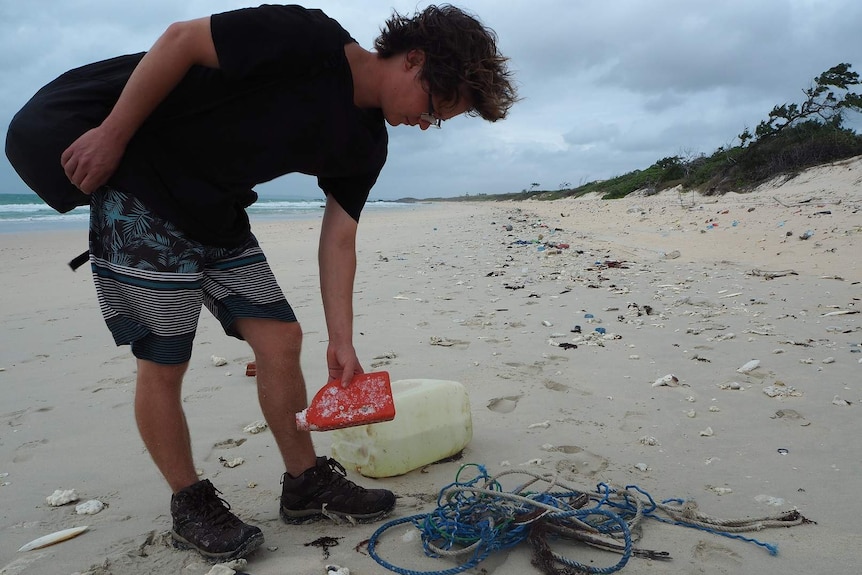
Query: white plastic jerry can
[{"x": 432, "y": 422}]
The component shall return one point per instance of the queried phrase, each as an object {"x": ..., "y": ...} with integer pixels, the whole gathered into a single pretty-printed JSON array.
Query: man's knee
[
  {"x": 266, "y": 336},
  {"x": 157, "y": 375},
  {"x": 291, "y": 336}
]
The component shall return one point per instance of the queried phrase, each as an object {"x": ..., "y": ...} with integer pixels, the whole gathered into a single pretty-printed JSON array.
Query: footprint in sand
[
  {"x": 38, "y": 357},
  {"x": 228, "y": 443},
  {"x": 716, "y": 554},
  {"x": 110, "y": 383},
  {"x": 504, "y": 404},
  {"x": 202, "y": 393},
  {"x": 634, "y": 421},
  {"x": 582, "y": 463},
  {"x": 119, "y": 358},
  {"x": 127, "y": 551},
  {"x": 534, "y": 369},
  {"x": 33, "y": 444},
  {"x": 21, "y": 565},
  {"x": 15, "y": 419},
  {"x": 13, "y": 416},
  {"x": 26, "y": 455},
  {"x": 554, "y": 386},
  {"x": 791, "y": 415}
]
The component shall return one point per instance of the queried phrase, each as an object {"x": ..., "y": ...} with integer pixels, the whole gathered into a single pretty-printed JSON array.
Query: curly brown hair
[{"x": 461, "y": 58}]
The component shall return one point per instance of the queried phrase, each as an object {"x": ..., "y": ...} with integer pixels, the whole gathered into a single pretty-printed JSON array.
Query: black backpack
[{"x": 56, "y": 116}]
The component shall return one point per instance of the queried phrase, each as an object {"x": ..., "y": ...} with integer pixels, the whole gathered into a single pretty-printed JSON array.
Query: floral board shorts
[{"x": 152, "y": 280}]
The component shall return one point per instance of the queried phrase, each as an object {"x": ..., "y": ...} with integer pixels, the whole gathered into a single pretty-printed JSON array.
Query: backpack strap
[{"x": 79, "y": 260}]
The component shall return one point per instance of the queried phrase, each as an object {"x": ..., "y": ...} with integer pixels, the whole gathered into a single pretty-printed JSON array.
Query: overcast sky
[{"x": 608, "y": 86}]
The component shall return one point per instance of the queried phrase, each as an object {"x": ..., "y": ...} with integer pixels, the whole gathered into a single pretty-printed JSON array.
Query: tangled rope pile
[{"x": 476, "y": 517}]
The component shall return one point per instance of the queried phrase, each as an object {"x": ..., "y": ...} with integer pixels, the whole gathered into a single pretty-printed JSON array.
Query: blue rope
[
  {"x": 467, "y": 517},
  {"x": 629, "y": 509},
  {"x": 372, "y": 551},
  {"x": 488, "y": 524},
  {"x": 771, "y": 547}
]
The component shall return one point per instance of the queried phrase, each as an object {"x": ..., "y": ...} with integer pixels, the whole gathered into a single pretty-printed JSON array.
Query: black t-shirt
[{"x": 281, "y": 102}]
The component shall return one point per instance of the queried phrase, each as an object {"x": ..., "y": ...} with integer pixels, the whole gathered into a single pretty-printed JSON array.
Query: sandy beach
[{"x": 685, "y": 285}]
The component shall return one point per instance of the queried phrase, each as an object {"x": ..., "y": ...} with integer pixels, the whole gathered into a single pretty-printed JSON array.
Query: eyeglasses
[{"x": 430, "y": 116}]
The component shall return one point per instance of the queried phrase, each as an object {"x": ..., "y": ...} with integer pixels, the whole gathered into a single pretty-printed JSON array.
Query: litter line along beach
[{"x": 701, "y": 348}]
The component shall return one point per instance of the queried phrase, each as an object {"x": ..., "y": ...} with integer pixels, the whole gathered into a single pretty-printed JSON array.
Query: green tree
[{"x": 826, "y": 102}]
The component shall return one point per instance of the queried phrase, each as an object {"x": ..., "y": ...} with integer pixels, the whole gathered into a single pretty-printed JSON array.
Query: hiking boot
[
  {"x": 325, "y": 490},
  {"x": 203, "y": 521}
]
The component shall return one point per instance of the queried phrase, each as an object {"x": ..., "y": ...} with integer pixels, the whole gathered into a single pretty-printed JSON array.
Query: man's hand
[
  {"x": 343, "y": 363},
  {"x": 92, "y": 159}
]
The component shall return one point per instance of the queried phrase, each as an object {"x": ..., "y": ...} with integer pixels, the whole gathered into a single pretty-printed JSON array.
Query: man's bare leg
[
  {"x": 311, "y": 486},
  {"x": 280, "y": 386},
  {"x": 162, "y": 422},
  {"x": 201, "y": 520}
]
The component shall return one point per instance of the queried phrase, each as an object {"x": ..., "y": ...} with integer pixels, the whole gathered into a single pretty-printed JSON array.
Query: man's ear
[{"x": 414, "y": 58}]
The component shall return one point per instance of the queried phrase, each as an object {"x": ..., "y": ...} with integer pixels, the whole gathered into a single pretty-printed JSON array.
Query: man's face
[{"x": 408, "y": 100}]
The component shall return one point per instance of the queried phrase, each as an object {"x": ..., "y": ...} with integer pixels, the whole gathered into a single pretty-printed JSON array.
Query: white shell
[
  {"x": 53, "y": 538},
  {"x": 750, "y": 366},
  {"x": 669, "y": 380},
  {"x": 62, "y": 497},
  {"x": 90, "y": 507}
]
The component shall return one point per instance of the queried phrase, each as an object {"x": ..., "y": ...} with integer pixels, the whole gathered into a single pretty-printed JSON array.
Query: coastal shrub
[{"x": 792, "y": 138}]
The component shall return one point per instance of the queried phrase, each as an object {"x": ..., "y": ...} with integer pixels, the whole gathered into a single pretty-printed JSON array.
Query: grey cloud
[
  {"x": 591, "y": 132},
  {"x": 609, "y": 86}
]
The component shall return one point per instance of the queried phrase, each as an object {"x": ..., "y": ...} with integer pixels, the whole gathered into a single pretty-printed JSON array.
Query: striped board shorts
[{"x": 152, "y": 280}]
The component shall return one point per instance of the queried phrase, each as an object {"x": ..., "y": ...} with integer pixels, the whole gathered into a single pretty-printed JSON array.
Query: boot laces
[
  {"x": 338, "y": 475},
  {"x": 216, "y": 511}
]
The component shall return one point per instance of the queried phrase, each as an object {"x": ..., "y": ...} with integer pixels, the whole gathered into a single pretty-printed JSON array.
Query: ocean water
[{"x": 27, "y": 212}]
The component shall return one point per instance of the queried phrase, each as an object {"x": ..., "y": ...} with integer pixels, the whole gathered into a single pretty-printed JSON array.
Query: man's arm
[
  {"x": 337, "y": 262},
  {"x": 91, "y": 159}
]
